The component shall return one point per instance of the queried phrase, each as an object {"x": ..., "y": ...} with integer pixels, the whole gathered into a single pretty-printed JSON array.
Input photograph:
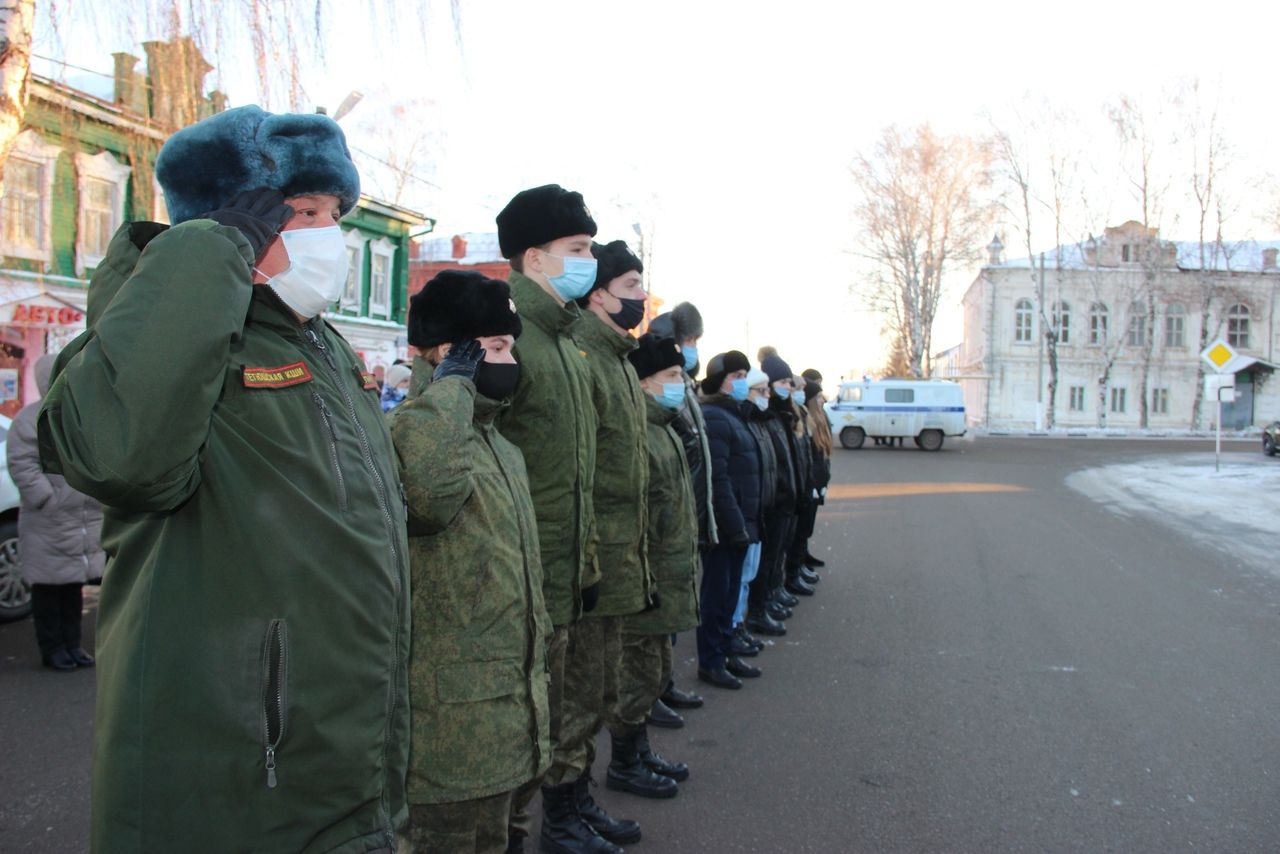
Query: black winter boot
[
  {"x": 675, "y": 770},
  {"x": 615, "y": 830},
  {"x": 563, "y": 829},
  {"x": 627, "y": 773}
]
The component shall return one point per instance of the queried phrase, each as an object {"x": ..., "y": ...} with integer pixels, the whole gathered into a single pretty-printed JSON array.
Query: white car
[
  {"x": 924, "y": 410},
  {"x": 15, "y": 594}
]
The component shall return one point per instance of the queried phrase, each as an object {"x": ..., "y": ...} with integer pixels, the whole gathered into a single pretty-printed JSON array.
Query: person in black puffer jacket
[{"x": 735, "y": 478}]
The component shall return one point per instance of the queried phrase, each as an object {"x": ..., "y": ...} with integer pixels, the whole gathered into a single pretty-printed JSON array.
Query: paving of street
[{"x": 993, "y": 662}]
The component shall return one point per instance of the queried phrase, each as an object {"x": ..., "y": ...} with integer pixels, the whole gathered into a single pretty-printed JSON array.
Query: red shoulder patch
[
  {"x": 367, "y": 380},
  {"x": 281, "y": 377}
]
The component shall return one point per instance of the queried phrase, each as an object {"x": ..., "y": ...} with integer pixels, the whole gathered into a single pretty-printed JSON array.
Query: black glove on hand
[
  {"x": 258, "y": 214},
  {"x": 590, "y": 597},
  {"x": 462, "y": 361},
  {"x": 142, "y": 233}
]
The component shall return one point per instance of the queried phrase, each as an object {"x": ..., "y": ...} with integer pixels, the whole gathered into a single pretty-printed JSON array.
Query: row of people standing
[{"x": 326, "y": 630}]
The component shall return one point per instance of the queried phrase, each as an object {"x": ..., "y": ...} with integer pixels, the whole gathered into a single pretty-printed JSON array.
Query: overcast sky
[{"x": 727, "y": 128}]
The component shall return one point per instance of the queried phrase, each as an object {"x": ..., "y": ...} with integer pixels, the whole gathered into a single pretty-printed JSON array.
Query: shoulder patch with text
[
  {"x": 366, "y": 379},
  {"x": 281, "y": 377}
]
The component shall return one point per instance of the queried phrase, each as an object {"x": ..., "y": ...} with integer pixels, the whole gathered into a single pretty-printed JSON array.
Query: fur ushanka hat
[
  {"x": 614, "y": 259},
  {"x": 720, "y": 366},
  {"x": 458, "y": 305},
  {"x": 655, "y": 353},
  {"x": 204, "y": 165},
  {"x": 540, "y": 215}
]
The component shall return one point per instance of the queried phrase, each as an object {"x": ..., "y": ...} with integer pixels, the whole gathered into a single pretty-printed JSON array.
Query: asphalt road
[{"x": 993, "y": 662}]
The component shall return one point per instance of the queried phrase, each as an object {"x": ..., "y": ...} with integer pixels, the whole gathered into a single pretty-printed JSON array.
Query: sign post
[{"x": 1225, "y": 361}]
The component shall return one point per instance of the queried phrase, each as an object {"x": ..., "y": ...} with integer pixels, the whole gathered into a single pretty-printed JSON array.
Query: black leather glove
[
  {"x": 259, "y": 214},
  {"x": 142, "y": 233},
  {"x": 590, "y": 597},
  {"x": 462, "y": 360}
]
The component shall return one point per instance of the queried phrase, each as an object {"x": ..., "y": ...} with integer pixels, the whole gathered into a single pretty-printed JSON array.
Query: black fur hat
[
  {"x": 655, "y": 353},
  {"x": 720, "y": 366},
  {"x": 614, "y": 259},
  {"x": 458, "y": 305},
  {"x": 201, "y": 167},
  {"x": 540, "y": 215}
]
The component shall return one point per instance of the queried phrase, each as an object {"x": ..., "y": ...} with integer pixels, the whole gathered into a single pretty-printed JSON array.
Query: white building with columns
[{"x": 1118, "y": 322}]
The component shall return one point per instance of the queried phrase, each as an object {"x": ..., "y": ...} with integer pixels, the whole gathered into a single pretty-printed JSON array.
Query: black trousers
[
  {"x": 773, "y": 551},
  {"x": 718, "y": 599},
  {"x": 799, "y": 546},
  {"x": 55, "y": 609}
]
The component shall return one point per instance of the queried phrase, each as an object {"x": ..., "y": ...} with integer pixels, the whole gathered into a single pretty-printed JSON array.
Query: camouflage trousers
[
  {"x": 521, "y": 824},
  {"x": 646, "y": 666},
  {"x": 590, "y": 693},
  {"x": 477, "y": 826}
]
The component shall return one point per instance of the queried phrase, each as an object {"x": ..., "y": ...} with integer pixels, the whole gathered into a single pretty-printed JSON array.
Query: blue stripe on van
[{"x": 861, "y": 408}]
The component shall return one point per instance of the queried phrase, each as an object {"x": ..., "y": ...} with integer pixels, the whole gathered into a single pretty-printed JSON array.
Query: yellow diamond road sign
[
  {"x": 1224, "y": 358},
  {"x": 1220, "y": 354}
]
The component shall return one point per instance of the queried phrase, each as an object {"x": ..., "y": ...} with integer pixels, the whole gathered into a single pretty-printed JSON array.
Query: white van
[{"x": 924, "y": 410}]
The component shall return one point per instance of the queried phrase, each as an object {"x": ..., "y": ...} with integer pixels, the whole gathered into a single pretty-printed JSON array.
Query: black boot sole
[{"x": 643, "y": 791}]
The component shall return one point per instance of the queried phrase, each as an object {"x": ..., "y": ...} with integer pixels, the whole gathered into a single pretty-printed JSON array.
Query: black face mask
[
  {"x": 631, "y": 314},
  {"x": 497, "y": 381}
]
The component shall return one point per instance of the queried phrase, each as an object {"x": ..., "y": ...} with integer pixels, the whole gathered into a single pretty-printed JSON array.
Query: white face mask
[
  {"x": 762, "y": 403},
  {"x": 317, "y": 269}
]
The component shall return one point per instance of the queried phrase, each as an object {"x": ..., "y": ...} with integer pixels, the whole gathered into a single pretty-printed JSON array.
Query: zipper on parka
[
  {"x": 384, "y": 504},
  {"x": 326, "y": 415},
  {"x": 275, "y": 674}
]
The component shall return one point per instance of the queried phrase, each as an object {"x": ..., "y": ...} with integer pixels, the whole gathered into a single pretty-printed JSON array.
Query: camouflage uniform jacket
[
  {"x": 673, "y": 529},
  {"x": 622, "y": 471},
  {"x": 477, "y": 670},
  {"x": 551, "y": 420},
  {"x": 253, "y": 630}
]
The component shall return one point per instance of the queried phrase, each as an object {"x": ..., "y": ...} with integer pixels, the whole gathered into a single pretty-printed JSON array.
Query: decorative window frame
[
  {"x": 1024, "y": 322},
  {"x": 102, "y": 166},
  {"x": 33, "y": 148},
  {"x": 1239, "y": 323},
  {"x": 381, "y": 248},
  {"x": 357, "y": 241}
]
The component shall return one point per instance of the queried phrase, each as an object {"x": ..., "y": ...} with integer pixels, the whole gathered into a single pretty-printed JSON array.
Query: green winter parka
[
  {"x": 673, "y": 529},
  {"x": 478, "y": 670},
  {"x": 552, "y": 422},
  {"x": 622, "y": 469},
  {"x": 253, "y": 627}
]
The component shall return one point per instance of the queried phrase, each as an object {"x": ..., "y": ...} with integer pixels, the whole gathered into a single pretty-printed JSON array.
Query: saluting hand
[
  {"x": 259, "y": 214},
  {"x": 462, "y": 360}
]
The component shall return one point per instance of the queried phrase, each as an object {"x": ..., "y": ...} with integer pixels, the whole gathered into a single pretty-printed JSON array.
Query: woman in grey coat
[{"x": 59, "y": 540}]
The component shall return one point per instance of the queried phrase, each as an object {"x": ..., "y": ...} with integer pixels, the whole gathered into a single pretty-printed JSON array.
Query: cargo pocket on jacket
[
  {"x": 473, "y": 681},
  {"x": 275, "y": 693}
]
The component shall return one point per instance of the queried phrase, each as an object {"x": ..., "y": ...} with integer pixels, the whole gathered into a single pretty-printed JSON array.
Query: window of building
[
  {"x": 1238, "y": 325},
  {"x": 1126, "y": 253},
  {"x": 353, "y": 288},
  {"x": 102, "y": 184},
  {"x": 1098, "y": 324},
  {"x": 1022, "y": 321},
  {"x": 26, "y": 209},
  {"x": 159, "y": 207},
  {"x": 899, "y": 395},
  {"x": 1175, "y": 326},
  {"x": 1117, "y": 399},
  {"x": 1137, "y": 332},
  {"x": 1077, "y": 398},
  {"x": 381, "y": 253},
  {"x": 1062, "y": 321},
  {"x": 1160, "y": 401}
]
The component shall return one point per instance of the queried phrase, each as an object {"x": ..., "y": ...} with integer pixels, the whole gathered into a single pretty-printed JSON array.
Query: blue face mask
[
  {"x": 690, "y": 356},
  {"x": 798, "y": 397},
  {"x": 781, "y": 391},
  {"x": 739, "y": 390},
  {"x": 576, "y": 280},
  {"x": 672, "y": 395}
]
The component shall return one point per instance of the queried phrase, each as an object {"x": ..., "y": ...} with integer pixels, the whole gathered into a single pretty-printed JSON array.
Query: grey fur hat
[{"x": 204, "y": 165}]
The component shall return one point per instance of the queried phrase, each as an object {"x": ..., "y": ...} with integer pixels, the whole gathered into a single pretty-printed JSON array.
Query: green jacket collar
[
  {"x": 593, "y": 330},
  {"x": 539, "y": 307},
  {"x": 267, "y": 309},
  {"x": 656, "y": 412}
]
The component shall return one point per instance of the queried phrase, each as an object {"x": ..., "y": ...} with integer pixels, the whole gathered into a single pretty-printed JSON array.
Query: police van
[{"x": 924, "y": 410}]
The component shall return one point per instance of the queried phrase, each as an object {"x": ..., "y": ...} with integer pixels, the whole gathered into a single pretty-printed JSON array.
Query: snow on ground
[{"x": 1236, "y": 509}]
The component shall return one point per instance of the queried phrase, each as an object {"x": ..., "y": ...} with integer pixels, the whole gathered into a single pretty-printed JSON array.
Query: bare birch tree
[
  {"x": 922, "y": 206},
  {"x": 16, "y": 23}
]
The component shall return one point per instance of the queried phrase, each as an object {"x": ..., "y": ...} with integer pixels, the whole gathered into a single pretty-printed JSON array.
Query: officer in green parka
[
  {"x": 672, "y": 551},
  {"x": 253, "y": 627},
  {"x": 477, "y": 675},
  {"x": 545, "y": 233}
]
